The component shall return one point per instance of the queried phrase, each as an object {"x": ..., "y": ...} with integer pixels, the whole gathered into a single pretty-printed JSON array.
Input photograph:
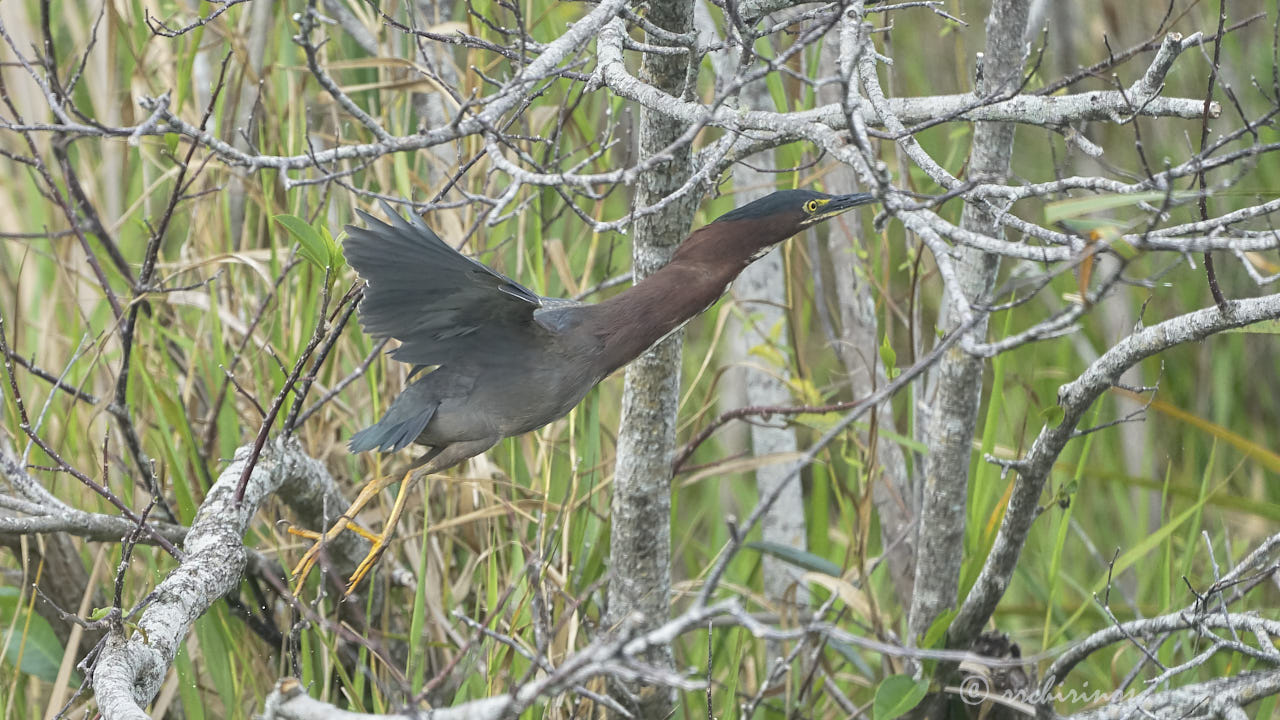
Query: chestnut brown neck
[{"x": 699, "y": 273}]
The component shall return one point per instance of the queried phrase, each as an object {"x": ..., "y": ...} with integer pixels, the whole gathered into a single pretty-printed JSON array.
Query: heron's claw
[
  {"x": 380, "y": 542},
  {"x": 346, "y": 522}
]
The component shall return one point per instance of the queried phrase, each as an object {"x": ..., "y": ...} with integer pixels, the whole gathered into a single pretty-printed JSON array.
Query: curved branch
[
  {"x": 1075, "y": 398},
  {"x": 129, "y": 670}
]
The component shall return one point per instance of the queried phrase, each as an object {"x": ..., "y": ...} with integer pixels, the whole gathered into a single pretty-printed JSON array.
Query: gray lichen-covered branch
[
  {"x": 133, "y": 662},
  {"x": 1075, "y": 398}
]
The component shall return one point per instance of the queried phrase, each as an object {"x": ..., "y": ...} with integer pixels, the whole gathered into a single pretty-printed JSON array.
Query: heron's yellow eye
[{"x": 811, "y": 206}]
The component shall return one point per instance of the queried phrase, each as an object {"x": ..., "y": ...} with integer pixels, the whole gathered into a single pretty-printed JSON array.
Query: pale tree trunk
[
  {"x": 895, "y": 495},
  {"x": 241, "y": 130},
  {"x": 955, "y": 384},
  {"x": 432, "y": 108},
  {"x": 640, "y": 532},
  {"x": 761, "y": 294},
  {"x": 734, "y": 439}
]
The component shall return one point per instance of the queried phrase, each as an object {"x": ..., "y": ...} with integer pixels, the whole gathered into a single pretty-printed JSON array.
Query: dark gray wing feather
[{"x": 441, "y": 305}]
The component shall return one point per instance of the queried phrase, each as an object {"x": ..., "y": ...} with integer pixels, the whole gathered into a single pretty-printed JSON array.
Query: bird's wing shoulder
[{"x": 558, "y": 316}]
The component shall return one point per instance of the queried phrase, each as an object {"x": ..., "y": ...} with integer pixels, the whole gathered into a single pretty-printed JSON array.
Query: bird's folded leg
[
  {"x": 438, "y": 459},
  {"x": 434, "y": 461},
  {"x": 345, "y": 521},
  {"x": 380, "y": 542}
]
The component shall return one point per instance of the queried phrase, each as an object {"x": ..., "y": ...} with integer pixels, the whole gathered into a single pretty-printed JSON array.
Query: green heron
[{"x": 507, "y": 360}]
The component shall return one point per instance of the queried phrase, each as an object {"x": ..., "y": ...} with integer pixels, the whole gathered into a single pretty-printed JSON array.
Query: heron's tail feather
[{"x": 398, "y": 428}]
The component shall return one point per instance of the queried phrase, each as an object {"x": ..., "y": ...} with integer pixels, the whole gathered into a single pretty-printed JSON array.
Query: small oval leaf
[
  {"x": 312, "y": 247},
  {"x": 1053, "y": 415},
  {"x": 897, "y": 695}
]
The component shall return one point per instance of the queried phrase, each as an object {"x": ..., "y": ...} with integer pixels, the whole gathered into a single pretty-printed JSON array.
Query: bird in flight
[{"x": 495, "y": 359}]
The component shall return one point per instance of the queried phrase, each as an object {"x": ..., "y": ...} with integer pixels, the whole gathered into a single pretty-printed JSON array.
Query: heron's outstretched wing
[{"x": 442, "y": 306}]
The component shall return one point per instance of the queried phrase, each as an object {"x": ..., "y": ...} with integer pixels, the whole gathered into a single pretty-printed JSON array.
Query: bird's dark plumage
[
  {"x": 487, "y": 334},
  {"x": 440, "y": 304},
  {"x": 507, "y": 360},
  {"x": 782, "y": 201}
]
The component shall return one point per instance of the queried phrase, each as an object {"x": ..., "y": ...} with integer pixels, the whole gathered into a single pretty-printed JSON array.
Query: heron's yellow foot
[
  {"x": 308, "y": 560},
  {"x": 380, "y": 542},
  {"x": 347, "y": 522}
]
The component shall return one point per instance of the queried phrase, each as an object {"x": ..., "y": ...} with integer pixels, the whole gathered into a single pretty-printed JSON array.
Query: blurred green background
[{"x": 1204, "y": 461}]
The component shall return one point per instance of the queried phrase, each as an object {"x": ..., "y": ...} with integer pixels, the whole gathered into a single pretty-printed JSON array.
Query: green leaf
[
  {"x": 33, "y": 647},
  {"x": 897, "y": 695},
  {"x": 1094, "y": 229},
  {"x": 1053, "y": 415},
  {"x": 1063, "y": 209},
  {"x": 336, "y": 259},
  {"x": 769, "y": 354},
  {"x": 188, "y": 685},
  {"x": 806, "y": 391},
  {"x": 217, "y": 640},
  {"x": 797, "y": 557},
  {"x": 849, "y": 654},
  {"x": 889, "y": 357},
  {"x": 312, "y": 246},
  {"x": 937, "y": 631}
]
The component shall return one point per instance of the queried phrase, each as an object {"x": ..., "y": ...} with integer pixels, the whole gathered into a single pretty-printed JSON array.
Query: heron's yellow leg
[
  {"x": 356, "y": 528},
  {"x": 380, "y": 542},
  {"x": 345, "y": 521}
]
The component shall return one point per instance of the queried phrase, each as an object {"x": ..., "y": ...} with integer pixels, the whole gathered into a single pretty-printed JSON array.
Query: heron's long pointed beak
[{"x": 840, "y": 204}]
